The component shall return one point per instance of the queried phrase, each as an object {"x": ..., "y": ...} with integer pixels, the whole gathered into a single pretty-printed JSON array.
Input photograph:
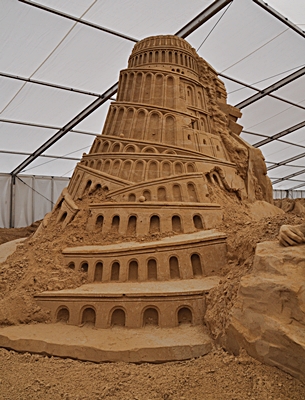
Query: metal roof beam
[
  {"x": 185, "y": 31},
  {"x": 275, "y": 86},
  {"x": 9, "y": 121},
  {"x": 289, "y": 176},
  {"x": 79, "y": 20},
  {"x": 280, "y": 134},
  {"x": 21, "y": 153},
  {"x": 259, "y": 91},
  {"x": 287, "y": 161},
  {"x": 201, "y": 18},
  {"x": 280, "y": 17},
  {"x": 296, "y": 187},
  {"x": 52, "y": 85},
  {"x": 76, "y": 120}
]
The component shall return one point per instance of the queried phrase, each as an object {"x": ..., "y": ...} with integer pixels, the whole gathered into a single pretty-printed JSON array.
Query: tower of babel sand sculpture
[{"x": 168, "y": 137}]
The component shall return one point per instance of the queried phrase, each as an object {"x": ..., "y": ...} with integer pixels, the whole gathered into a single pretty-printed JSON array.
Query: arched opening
[
  {"x": 147, "y": 85},
  {"x": 89, "y": 316},
  {"x": 154, "y": 225},
  {"x": 71, "y": 265},
  {"x": 152, "y": 172},
  {"x": 197, "y": 221},
  {"x": 177, "y": 193},
  {"x": 139, "y": 125},
  {"x": 185, "y": 316},
  {"x": 116, "y": 168},
  {"x": 84, "y": 267},
  {"x": 137, "y": 88},
  {"x": 138, "y": 171},
  {"x": 100, "y": 222},
  {"x": 147, "y": 195},
  {"x": 115, "y": 271},
  {"x": 86, "y": 190},
  {"x": 98, "y": 274},
  {"x": 158, "y": 97},
  {"x": 63, "y": 315},
  {"x": 174, "y": 268},
  {"x": 125, "y": 170},
  {"x": 131, "y": 197},
  {"x": 176, "y": 224},
  {"x": 166, "y": 169},
  {"x": 63, "y": 217},
  {"x": 150, "y": 317},
  {"x": 133, "y": 271},
  {"x": 192, "y": 192},
  {"x": 129, "y": 149},
  {"x": 190, "y": 168},
  {"x": 107, "y": 166},
  {"x": 115, "y": 223},
  {"x": 152, "y": 270},
  {"x": 196, "y": 265},
  {"x": 209, "y": 178},
  {"x": 118, "y": 317},
  {"x": 161, "y": 194},
  {"x": 105, "y": 147},
  {"x": 170, "y": 130},
  {"x": 216, "y": 179},
  {"x": 128, "y": 123},
  {"x": 132, "y": 225},
  {"x": 178, "y": 168}
]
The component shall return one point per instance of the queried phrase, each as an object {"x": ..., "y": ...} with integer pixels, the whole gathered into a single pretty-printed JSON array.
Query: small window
[
  {"x": 84, "y": 267},
  {"x": 88, "y": 317},
  {"x": 115, "y": 271},
  {"x": 185, "y": 316},
  {"x": 118, "y": 318},
  {"x": 151, "y": 317}
]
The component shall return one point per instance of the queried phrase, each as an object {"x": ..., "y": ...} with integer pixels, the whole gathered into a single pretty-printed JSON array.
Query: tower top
[{"x": 164, "y": 50}]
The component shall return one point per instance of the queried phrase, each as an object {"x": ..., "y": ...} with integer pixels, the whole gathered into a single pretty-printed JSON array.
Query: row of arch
[
  {"x": 117, "y": 317},
  {"x": 175, "y": 192},
  {"x": 133, "y": 268},
  {"x": 154, "y": 223},
  {"x": 105, "y": 146},
  {"x": 147, "y": 87},
  {"x": 140, "y": 124},
  {"x": 177, "y": 57},
  {"x": 140, "y": 170},
  {"x": 162, "y": 40},
  {"x": 160, "y": 90}
]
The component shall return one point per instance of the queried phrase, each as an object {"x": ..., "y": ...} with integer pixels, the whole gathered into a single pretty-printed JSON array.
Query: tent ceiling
[{"x": 243, "y": 42}]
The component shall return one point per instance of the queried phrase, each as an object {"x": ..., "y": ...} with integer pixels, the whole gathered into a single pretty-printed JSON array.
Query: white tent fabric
[
  {"x": 248, "y": 46},
  {"x": 34, "y": 197}
]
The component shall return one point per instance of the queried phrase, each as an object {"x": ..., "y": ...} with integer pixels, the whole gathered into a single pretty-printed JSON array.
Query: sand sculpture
[
  {"x": 165, "y": 138},
  {"x": 168, "y": 139}
]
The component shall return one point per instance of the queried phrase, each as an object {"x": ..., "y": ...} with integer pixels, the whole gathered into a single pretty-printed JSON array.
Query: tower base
[{"x": 148, "y": 344}]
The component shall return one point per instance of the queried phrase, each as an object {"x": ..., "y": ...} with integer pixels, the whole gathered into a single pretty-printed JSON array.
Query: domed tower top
[{"x": 170, "y": 51}]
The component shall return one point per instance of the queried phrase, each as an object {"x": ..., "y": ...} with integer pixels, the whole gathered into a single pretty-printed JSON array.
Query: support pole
[{"x": 12, "y": 201}]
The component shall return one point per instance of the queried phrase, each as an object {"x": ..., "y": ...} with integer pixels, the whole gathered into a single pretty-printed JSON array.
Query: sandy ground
[{"x": 216, "y": 376}]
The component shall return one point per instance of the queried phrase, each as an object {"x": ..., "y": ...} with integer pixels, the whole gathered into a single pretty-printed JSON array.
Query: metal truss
[
  {"x": 205, "y": 15},
  {"x": 280, "y": 17},
  {"x": 52, "y": 85},
  {"x": 190, "y": 27},
  {"x": 9, "y": 121},
  {"x": 78, "y": 20},
  {"x": 58, "y": 135},
  {"x": 271, "y": 88},
  {"x": 280, "y": 134}
]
